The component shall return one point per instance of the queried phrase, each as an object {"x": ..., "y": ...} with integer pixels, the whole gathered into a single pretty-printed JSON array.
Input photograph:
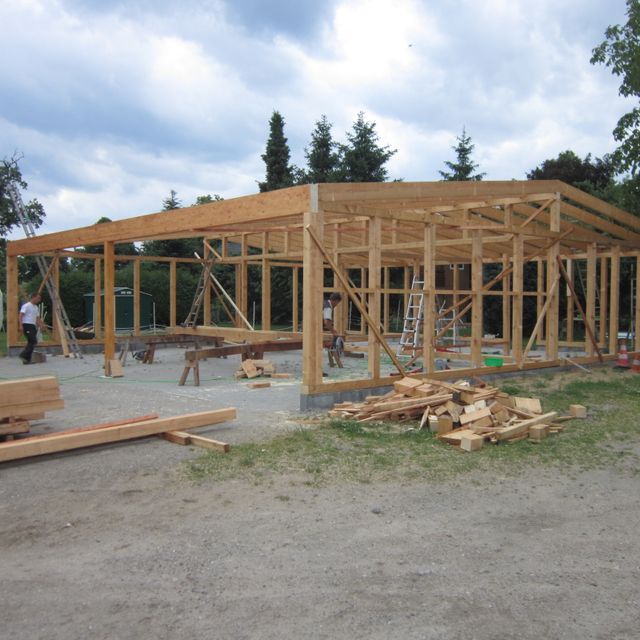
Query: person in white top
[
  {"x": 29, "y": 322},
  {"x": 327, "y": 313}
]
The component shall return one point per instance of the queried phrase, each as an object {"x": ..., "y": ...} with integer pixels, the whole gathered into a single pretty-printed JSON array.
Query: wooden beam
[
  {"x": 295, "y": 302},
  {"x": 192, "y": 221},
  {"x": 591, "y": 296},
  {"x": 373, "y": 299},
  {"x": 173, "y": 303},
  {"x": 614, "y": 300},
  {"x": 312, "y": 283},
  {"x": 206, "y": 299},
  {"x": 55, "y": 443},
  {"x": 429, "y": 294},
  {"x": 97, "y": 297},
  {"x": 13, "y": 307},
  {"x": 518, "y": 298},
  {"x": 109, "y": 307},
  {"x": 553, "y": 319},
  {"x": 136, "y": 297},
  {"x": 476, "y": 288},
  {"x": 266, "y": 295},
  {"x": 604, "y": 300}
]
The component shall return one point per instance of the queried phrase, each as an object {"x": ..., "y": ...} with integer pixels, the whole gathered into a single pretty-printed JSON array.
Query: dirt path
[{"x": 114, "y": 543}]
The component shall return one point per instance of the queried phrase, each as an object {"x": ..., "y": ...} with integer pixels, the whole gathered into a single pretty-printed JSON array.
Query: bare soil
[{"x": 116, "y": 542}]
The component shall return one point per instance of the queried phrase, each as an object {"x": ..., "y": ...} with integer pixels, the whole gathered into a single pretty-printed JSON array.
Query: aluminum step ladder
[
  {"x": 414, "y": 317},
  {"x": 68, "y": 336},
  {"x": 203, "y": 283}
]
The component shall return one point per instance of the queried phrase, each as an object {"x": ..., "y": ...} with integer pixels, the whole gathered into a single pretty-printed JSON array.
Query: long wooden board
[{"x": 67, "y": 441}]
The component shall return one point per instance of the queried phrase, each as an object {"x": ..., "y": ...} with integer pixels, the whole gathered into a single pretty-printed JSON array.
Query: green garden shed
[{"x": 123, "y": 308}]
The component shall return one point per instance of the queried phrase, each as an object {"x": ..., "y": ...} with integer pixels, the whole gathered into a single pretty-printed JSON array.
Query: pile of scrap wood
[
  {"x": 254, "y": 368},
  {"x": 25, "y": 400},
  {"x": 173, "y": 429},
  {"x": 459, "y": 413}
]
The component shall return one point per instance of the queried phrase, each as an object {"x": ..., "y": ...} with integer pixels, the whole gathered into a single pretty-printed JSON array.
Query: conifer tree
[
  {"x": 363, "y": 159},
  {"x": 276, "y": 157},
  {"x": 464, "y": 166},
  {"x": 323, "y": 159}
]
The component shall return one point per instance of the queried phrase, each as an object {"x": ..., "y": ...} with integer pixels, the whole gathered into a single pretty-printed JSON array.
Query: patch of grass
[{"x": 345, "y": 450}]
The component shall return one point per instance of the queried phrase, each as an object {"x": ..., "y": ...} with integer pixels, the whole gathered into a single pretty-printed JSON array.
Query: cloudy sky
[{"x": 113, "y": 103}]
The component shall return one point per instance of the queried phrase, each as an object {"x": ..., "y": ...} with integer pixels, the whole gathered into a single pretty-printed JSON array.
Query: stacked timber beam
[
  {"x": 27, "y": 399},
  {"x": 459, "y": 413}
]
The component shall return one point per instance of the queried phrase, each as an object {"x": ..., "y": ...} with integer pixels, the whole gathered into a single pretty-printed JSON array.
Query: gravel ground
[{"x": 114, "y": 542}]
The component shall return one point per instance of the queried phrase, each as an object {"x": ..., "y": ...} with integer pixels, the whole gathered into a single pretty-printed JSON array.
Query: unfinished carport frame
[{"x": 375, "y": 227}]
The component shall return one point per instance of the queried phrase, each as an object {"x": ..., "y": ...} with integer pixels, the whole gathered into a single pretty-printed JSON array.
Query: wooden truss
[{"x": 373, "y": 228}]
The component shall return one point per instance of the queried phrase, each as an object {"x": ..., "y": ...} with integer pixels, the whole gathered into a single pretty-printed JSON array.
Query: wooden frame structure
[{"x": 376, "y": 227}]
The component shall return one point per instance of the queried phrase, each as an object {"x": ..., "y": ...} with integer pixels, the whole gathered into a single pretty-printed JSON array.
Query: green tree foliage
[
  {"x": 362, "y": 158},
  {"x": 463, "y": 167},
  {"x": 279, "y": 173},
  {"x": 621, "y": 52},
  {"x": 594, "y": 176},
  {"x": 206, "y": 199},
  {"x": 323, "y": 157},
  {"x": 10, "y": 172}
]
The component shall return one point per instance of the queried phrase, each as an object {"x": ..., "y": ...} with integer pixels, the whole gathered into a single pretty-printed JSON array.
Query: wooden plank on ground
[
  {"x": 522, "y": 427},
  {"x": 181, "y": 437},
  {"x": 67, "y": 441},
  {"x": 259, "y": 385}
]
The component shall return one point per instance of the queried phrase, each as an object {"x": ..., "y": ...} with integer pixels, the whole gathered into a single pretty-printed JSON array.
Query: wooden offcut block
[
  {"x": 249, "y": 368},
  {"x": 538, "y": 432},
  {"x": 406, "y": 385},
  {"x": 465, "y": 418},
  {"x": 445, "y": 425},
  {"x": 471, "y": 442},
  {"x": 578, "y": 410},
  {"x": 115, "y": 368},
  {"x": 532, "y": 405}
]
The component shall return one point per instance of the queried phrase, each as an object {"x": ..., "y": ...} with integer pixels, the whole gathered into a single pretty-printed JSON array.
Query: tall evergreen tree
[
  {"x": 464, "y": 166},
  {"x": 621, "y": 51},
  {"x": 276, "y": 157},
  {"x": 323, "y": 159},
  {"x": 363, "y": 159}
]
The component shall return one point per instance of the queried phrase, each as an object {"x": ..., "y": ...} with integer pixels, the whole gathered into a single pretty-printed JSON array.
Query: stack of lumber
[
  {"x": 459, "y": 413},
  {"x": 256, "y": 368},
  {"x": 26, "y": 399}
]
